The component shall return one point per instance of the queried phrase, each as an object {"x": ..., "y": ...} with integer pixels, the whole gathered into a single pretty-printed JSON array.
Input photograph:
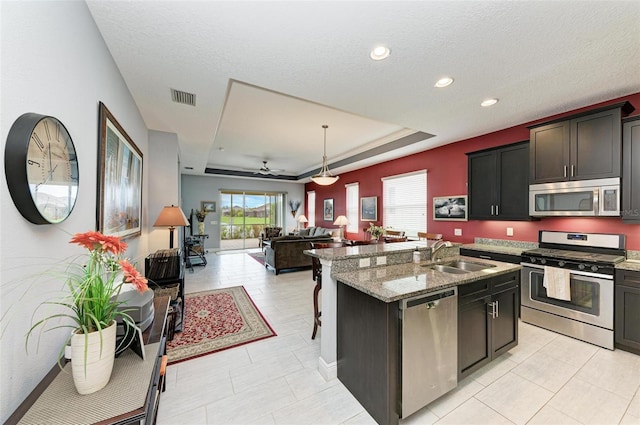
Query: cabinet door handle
[
  {"x": 497, "y": 309},
  {"x": 493, "y": 310},
  {"x": 573, "y": 170},
  {"x": 491, "y": 209},
  {"x": 497, "y": 210},
  {"x": 565, "y": 171}
]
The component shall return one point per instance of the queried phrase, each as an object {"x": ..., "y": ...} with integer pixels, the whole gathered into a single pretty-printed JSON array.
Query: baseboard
[{"x": 328, "y": 371}]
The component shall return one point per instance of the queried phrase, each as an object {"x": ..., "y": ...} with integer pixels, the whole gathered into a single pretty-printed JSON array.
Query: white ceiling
[{"x": 267, "y": 75}]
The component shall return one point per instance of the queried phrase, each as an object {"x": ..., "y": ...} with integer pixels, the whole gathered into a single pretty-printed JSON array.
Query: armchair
[{"x": 269, "y": 233}]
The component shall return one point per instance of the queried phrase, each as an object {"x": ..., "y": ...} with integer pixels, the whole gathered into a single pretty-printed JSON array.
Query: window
[
  {"x": 353, "y": 193},
  {"x": 404, "y": 200},
  {"x": 311, "y": 208}
]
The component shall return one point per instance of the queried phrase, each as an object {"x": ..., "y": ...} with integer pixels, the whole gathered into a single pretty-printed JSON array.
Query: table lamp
[
  {"x": 301, "y": 219},
  {"x": 341, "y": 221},
  {"x": 171, "y": 217}
]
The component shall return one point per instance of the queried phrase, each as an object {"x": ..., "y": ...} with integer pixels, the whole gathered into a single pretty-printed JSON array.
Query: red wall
[{"x": 447, "y": 175}]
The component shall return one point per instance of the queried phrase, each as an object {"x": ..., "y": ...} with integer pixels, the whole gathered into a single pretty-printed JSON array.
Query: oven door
[{"x": 591, "y": 296}]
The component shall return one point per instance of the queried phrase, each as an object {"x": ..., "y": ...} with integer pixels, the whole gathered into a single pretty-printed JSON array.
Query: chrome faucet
[{"x": 437, "y": 246}]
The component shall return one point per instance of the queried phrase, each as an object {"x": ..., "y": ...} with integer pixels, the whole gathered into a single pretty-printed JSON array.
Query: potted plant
[
  {"x": 92, "y": 304},
  {"x": 375, "y": 231},
  {"x": 200, "y": 216}
]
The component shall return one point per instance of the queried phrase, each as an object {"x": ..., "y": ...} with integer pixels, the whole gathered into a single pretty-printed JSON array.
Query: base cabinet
[
  {"x": 627, "y": 311},
  {"x": 487, "y": 321}
]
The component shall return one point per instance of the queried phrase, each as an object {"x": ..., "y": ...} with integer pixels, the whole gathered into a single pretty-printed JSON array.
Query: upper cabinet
[
  {"x": 498, "y": 184},
  {"x": 631, "y": 175},
  {"x": 581, "y": 147}
]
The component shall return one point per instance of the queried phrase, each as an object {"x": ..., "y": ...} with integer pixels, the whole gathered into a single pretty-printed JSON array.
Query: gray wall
[
  {"x": 207, "y": 188},
  {"x": 53, "y": 61}
]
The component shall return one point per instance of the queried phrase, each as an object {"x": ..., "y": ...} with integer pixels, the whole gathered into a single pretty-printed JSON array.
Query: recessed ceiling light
[
  {"x": 221, "y": 149},
  {"x": 188, "y": 168},
  {"x": 443, "y": 82},
  {"x": 489, "y": 102},
  {"x": 379, "y": 53}
]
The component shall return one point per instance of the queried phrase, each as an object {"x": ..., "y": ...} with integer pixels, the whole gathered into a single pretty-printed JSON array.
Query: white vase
[
  {"x": 99, "y": 359},
  {"x": 201, "y": 227}
]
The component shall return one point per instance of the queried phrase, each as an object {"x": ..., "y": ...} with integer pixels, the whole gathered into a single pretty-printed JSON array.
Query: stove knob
[
  {"x": 543, "y": 261},
  {"x": 594, "y": 268},
  {"x": 561, "y": 263},
  {"x": 582, "y": 266},
  {"x": 532, "y": 259}
]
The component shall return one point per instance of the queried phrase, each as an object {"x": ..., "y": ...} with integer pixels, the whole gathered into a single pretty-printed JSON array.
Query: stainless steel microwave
[{"x": 599, "y": 197}]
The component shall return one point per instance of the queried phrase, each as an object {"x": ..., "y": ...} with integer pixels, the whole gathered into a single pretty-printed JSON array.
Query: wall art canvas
[
  {"x": 450, "y": 208},
  {"x": 328, "y": 210},
  {"x": 369, "y": 208},
  {"x": 119, "y": 211}
]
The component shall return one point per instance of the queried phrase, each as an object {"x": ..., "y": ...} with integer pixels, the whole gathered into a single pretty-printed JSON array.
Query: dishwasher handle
[{"x": 430, "y": 300}]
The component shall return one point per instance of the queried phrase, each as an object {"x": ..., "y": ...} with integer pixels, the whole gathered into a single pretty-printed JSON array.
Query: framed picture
[
  {"x": 208, "y": 206},
  {"x": 450, "y": 208},
  {"x": 369, "y": 208},
  {"x": 328, "y": 210},
  {"x": 119, "y": 211}
]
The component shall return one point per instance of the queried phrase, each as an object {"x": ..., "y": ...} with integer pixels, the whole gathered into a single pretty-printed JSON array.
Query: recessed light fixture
[
  {"x": 489, "y": 102},
  {"x": 221, "y": 149},
  {"x": 379, "y": 53},
  {"x": 188, "y": 168},
  {"x": 443, "y": 82}
]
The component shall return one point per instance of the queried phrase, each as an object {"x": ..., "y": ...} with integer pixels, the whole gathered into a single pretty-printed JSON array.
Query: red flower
[
  {"x": 132, "y": 276},
  {"x": 96, "y": 240}
]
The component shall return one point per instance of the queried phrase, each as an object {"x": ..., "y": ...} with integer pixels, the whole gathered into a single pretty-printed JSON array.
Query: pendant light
[{"x": 324, "y": 178}]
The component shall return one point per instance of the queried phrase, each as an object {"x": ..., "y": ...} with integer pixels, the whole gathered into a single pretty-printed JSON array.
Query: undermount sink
[
  {"x": 446, "y": 269},
  {"x": 468, "y": 265},
  {"x": 459, "y": 267}
]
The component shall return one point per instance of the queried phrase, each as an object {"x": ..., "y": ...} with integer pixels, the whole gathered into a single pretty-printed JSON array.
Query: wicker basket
[{"x": 169, "y": 290}]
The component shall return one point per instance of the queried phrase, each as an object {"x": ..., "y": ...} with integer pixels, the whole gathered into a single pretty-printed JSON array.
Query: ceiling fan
[{"x": 265, "y": 170}]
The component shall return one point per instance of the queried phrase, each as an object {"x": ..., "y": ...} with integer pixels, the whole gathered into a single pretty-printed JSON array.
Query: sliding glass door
[{"x": 245, "y": 214}]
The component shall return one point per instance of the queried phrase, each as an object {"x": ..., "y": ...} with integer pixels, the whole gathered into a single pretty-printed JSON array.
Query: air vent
[{"x": 183, "y": 97}]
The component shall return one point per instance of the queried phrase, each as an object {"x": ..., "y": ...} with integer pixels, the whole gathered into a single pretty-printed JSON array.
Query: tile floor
[{"x": 546, "y": 379}]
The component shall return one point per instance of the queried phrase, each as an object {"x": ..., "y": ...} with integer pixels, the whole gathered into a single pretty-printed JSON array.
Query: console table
[{"x": 131, "y": 396}]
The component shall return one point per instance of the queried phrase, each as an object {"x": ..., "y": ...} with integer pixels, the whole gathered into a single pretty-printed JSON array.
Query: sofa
[{"x": 287, "y": 252}]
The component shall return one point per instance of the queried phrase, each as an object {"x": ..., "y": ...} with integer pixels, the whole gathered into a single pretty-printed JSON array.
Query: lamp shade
[
  {"x": 170, "y": 217},
  {"x": 341, "y": 221},
  {"x": 302, "y": 219}
]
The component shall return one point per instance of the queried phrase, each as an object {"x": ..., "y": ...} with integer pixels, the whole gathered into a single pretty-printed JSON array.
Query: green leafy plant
[
  {"x": 93, "y": 288},
  {"x": 201, "y": 215},
  {"x": 376, "y": 231}
]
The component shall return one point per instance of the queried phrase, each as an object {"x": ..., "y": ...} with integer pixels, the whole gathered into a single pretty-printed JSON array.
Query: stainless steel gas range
[{"x": 567, "y": 284}]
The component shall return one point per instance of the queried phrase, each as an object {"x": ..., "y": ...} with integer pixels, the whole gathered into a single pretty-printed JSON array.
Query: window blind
[
  {"x": 353, "y": 192},
  {"x": 404, "y": 200},
  {"x": 311, "y": 208}
]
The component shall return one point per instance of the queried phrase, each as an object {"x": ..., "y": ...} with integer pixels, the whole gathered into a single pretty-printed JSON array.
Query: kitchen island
[{"x": 363, "y": 288}]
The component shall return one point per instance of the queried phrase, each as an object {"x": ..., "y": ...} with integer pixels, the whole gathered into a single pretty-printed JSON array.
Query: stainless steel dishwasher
[{"x": 429, "y": 348}]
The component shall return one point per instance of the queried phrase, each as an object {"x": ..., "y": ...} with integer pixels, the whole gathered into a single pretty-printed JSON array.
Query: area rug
[
  {"x": 216, "y": 320},
  {"x": 258, "y": 256}
]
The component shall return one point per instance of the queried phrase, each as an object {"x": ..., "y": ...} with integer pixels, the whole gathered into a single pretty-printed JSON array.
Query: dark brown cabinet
[
  {"x": 499, "y": 183},
  {"x": 581, "y": 147},
  {"x": 627, "y": 311},
  {"x": 487, "y": 321},
  {"x": 631, "y": 175}
]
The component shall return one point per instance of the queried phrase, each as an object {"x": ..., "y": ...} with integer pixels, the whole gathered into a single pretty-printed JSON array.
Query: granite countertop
[
  {"x": 396, "y": 282},
  {"x": 633, "y": 265},
  {"x": 499, "y": 249},
  {"x": 362, "y": 251}
]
